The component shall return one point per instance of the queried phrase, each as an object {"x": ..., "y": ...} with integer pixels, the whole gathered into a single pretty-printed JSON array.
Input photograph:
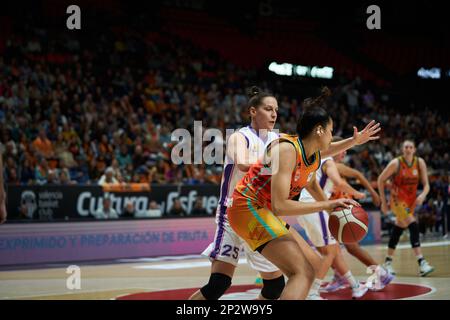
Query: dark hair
[
  {"x": 313, "y": 114},
  {"x": 256, "y": 96}
]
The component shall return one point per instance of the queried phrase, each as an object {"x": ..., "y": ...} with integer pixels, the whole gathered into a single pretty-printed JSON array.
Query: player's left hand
[{"x": 367, "y": 134}]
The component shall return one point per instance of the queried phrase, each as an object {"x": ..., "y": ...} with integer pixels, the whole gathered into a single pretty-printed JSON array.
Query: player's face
[
  {"x": 408, "y": 148},
  {"x": 265, "y": 115},
  {"x": 326, "y": 136}
]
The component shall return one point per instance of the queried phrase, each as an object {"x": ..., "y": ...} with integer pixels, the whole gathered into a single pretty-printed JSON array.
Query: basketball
[{"x": 349, "y": 225}]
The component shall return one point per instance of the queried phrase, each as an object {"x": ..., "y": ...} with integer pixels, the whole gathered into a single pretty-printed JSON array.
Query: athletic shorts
[
  {"x": 401, "y": 209},
  {"x": 228, "y": 247},
  {"x": 256, "y": 225}
]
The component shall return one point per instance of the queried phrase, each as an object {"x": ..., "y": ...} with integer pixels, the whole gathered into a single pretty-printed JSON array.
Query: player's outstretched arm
[
  {"x": 348, "y": 172},
  {"x": 281, "y": 182},
  {"x": 369, "y": 133},
  {"x": 331, "y": 170}
]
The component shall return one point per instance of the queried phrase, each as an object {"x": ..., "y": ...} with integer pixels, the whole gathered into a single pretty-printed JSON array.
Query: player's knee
[
  {"x": 272, "y": 288},
  {"x": 216, "y": 287},
  {"x": 395, "y": 237},
  {"x": 414, "y": 236},
  {"x": 309, "y": 272}
]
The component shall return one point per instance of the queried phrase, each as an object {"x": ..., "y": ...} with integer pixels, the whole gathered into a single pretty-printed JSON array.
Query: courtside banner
[
  {"x": 66, "y": 203},
  {"x": 82, "y": 241},
  {"x": 29, "y": 243}
]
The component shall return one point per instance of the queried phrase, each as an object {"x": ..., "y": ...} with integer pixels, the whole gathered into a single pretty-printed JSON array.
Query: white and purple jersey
[
  {"x": 232, "y": 175},
  {"x": 316, "y": 224},
  {"x": 325, "y": 183}
]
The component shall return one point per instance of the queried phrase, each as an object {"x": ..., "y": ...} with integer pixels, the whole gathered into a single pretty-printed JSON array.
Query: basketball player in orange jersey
[
  {"x": 406, "y": 171},
  {"x": 267, "y": 191},
  {"x": 338, "y": 173},
  {"x": 244, "y": 148}
]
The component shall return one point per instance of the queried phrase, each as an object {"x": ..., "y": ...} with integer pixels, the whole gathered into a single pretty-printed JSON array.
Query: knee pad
[
  {"x": 414, "y": 236},
  {"x": 216, "y": 287},
  {"x": 395, "y": 237},
  {"x": 272, "y": 288}
]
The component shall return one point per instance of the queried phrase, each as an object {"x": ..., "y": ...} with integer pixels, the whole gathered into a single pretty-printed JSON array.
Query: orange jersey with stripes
[
  {"x": 405, "y": 182},
  {"x": 255, "y": 185}
]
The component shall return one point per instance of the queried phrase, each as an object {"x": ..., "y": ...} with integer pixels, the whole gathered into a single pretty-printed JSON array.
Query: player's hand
[
  {"x": 345, "y": 203},
  {"x": 376, "y": 199},
  {"x": 420, "y": 199},
  {"x": 367, "y": 134},
  {"x": 359, "y": 195},
  {"x": 384, "y": 207}
]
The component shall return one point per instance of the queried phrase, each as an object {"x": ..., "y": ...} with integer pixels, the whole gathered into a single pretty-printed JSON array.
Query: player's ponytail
[
  {"x": 256, "y": 96},
  {"x": 313, "y": 114}
]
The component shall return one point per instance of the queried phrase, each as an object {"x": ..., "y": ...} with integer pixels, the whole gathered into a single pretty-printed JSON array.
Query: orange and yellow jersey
[
  {"x": 405, "y": 182},
  {"x": 255, "y": 185}
]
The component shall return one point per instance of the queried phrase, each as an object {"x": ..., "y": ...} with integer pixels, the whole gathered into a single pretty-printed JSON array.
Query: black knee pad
[
  {"x": 272, "y": 288},
  {"x": 414, "y": 236},
  {"x": 395, "y": 237},
  {"x": 216, "y": 287}
]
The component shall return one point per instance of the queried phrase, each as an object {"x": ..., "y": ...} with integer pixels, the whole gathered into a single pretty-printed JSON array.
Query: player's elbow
[{"x": 277, "y": 205}]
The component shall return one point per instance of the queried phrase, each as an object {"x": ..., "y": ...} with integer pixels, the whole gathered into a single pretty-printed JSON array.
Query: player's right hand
[{"x": 345, "y": 203}]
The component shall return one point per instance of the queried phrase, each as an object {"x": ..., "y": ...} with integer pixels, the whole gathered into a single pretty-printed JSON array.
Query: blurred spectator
[
  {"x": 177, "y": 209},
  {"x": 106, "y": 211},
  {"x": 43, "y": 145},
  {"x": 108, "y": 177},
  {"x": 52, "y": 177},
  {"x": 64, "y": 178},
  {"x": 41, "y": 172},
  {"x": 129, "y": 210},
  {"x": 154, "y": 211},
  {"x": 198, "y": 209}
]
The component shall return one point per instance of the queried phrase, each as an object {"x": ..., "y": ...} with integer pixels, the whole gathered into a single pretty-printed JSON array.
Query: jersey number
[{"x": 227, "y": 249}]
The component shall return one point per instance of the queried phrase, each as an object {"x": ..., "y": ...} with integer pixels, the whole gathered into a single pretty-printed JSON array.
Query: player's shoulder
[{"x": 420, "y": 160}]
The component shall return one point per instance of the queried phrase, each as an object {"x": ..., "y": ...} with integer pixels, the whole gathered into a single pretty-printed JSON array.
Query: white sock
[
  {"x": 420, "y": 256},
  {"x": 351, "y": 279},
  {"x": 315, "y": 287}
]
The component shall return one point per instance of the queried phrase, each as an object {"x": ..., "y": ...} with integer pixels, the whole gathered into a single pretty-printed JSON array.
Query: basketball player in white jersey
[
  {"x": 244, "y": 147},
  {"x": 316, "y": 227}
]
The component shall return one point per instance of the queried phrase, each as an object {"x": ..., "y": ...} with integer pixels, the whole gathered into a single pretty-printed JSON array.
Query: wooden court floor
[{"x": 118, "y": 278}]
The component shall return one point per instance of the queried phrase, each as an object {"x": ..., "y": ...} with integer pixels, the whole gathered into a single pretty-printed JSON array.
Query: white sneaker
[
  {"x": 314, "y": 296},
  {"x": 425, "y": 268},
  {"x": 384, "y": 281},
  {"x": 359, "y": 291},
  {"x": 388, "y": 266}
]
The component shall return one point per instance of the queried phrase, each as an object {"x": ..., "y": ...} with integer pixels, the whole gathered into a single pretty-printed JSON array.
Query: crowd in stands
[{"x": 72, "y": 113}]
